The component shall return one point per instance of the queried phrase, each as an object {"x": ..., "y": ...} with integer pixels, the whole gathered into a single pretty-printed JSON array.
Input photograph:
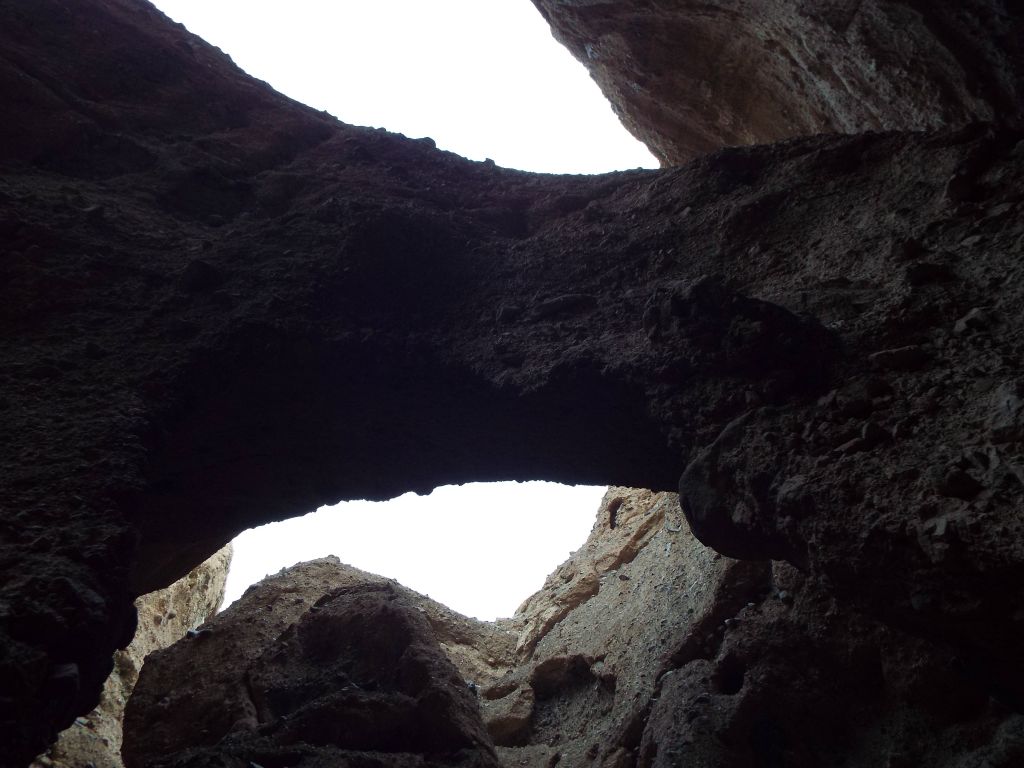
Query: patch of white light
[
  {"x": 480, "y": 548},
  {"x": 483, "y": 78}
]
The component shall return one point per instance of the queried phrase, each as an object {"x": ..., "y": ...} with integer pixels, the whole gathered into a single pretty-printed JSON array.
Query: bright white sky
[
  {"x": 484, "y": 79},
  {"x": 480, "y": 548}
]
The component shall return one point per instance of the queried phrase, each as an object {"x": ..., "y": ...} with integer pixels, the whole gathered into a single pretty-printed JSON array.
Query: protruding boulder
[{"x": 319, "y": 663}]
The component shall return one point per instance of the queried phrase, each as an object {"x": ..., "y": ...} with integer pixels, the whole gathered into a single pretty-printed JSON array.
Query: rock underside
[
  {"x": 688, "y": 77},
  {"x": 220, "y": 308}
]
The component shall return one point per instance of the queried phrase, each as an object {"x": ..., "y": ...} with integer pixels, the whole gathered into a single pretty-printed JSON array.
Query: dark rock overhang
[{"x": 221, "y": 308}]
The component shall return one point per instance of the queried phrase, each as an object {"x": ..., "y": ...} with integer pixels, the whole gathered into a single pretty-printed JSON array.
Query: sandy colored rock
[
  {"x": 508, "y": 718},
  {"x": 624, "y": 524},
  {"x": 164, "y": 618}
]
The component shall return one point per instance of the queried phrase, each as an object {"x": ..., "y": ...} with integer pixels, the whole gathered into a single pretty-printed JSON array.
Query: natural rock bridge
[{"x": 222, "y": 308}]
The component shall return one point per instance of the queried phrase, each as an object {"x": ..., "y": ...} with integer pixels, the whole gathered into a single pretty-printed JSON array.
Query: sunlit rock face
[
  {"x": 689, "y": 77},
  {"x": 222, "y": 308},
  {"x": 643, "y": 648},
  {"x": 165, "y": 616}
]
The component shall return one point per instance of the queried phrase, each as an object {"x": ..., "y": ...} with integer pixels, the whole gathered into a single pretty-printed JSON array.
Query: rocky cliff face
[
  {"x": 322, "y": 664},
  {"x": 689, "y": 77},
  {"x": 165, "y": 616},
  {"x": 220, "y": 308},
  {"x": 643, "y": 649}
]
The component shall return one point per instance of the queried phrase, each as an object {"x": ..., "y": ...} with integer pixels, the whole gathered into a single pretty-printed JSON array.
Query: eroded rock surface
[
  {"x": 645, "y": 648},
  {"x": 221, "y": 308},
  {"x": 689, "y": 77},
  {"x": 594, "y": 641},
  {"x": 322, "y": 664},
  {"x": 164, "y": 617}
]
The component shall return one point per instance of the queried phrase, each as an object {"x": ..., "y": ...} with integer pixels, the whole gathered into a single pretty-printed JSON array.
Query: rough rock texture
[
  {"x": 220, "y": 308},
  {"x": 688, "y": 77},
  {"x": 645, "y": 648},
  {"x": 594, "y": 641},
  {"x": 683, "y": 657},
  {"x": 164, "y": 617},
  {"x": 322, "y": 664}
]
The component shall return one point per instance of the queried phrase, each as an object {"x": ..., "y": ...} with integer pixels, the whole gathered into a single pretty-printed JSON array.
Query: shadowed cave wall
[{"x": 221, "y": 308}]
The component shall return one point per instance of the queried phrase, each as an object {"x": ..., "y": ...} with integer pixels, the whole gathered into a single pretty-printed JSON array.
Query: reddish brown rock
[
  {"x": 689, "y": 77},
  {"x": 164, "y": 617}
]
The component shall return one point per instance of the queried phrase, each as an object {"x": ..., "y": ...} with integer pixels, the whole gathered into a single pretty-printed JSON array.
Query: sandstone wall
[{"x": 164, "y": 618}]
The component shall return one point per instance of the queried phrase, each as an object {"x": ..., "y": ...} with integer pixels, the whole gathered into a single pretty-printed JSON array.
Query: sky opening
[
  {"x": 479, "y": 548},
  {"x": 484, "y": 79}
]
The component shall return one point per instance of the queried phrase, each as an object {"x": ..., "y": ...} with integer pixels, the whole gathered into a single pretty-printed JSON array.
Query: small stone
[
  {"x": 200, "y": 277},
  {"x": 856, "y": 445},
  {"x": 565, "y": 304},
  {"x": 95, "y": 213},
  {"x": 926, "y": 272},
  {"x": 959, "y": 485},
  {"x": 508, "y": 719},
  {"x": 829, "y": 400},
  {"x": 876, "y": 388},
  {"x": 874, "y": 435},
  {"x": 975, "y": 320},
  {"x": 906, "y": 249},
  {"x": 785, "y": 596},
  {"x": 509, "y": 313},
  {"x": 1006, "y": 415},
  {"x": 909, "y": 358},
  {"x": 959, "y": 188},
  {"x": 856, "y": 408}
]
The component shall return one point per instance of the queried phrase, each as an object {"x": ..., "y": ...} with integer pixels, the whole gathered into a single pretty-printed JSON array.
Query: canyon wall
[
  {"x": 688, "y": 77},
  {"x": 165, "y": 616},
  {"x": 220, "y": 307},
  {"x": 644, "y": 648}
]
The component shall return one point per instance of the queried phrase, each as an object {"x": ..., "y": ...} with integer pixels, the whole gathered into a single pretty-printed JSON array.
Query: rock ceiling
[{"x": 221, "y": 308}]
